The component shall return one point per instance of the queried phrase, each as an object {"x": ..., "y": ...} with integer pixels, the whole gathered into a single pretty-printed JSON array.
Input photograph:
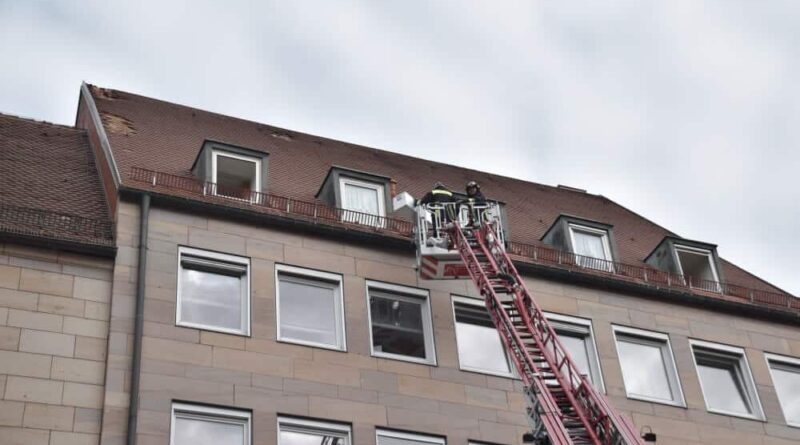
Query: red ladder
[{"x": 563, "y": 406}]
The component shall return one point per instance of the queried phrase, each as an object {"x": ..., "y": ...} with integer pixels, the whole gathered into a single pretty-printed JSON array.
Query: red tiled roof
[
  {"x": 166, "y": 137},
  {"x": 49, "y": 185}
]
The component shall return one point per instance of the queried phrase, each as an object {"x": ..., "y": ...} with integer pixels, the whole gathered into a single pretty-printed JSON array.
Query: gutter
[{"x": 133, "y": 411}]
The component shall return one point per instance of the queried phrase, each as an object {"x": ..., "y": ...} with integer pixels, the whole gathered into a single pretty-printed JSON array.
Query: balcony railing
[
  {"x": 317, "y": 212},
  {"x": 297, "y": 208},
  {"x": 560, "y": 258}
]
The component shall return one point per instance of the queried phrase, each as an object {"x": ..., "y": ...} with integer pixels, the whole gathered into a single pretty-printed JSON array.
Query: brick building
[{"x": 278, "y": 299}]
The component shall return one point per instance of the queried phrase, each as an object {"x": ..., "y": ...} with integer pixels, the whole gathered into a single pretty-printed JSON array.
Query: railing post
[{"x": 154, "y": 179}]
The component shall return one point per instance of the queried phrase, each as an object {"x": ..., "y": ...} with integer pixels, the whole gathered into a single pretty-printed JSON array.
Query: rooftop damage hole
[{"x": 118, "y": 125}]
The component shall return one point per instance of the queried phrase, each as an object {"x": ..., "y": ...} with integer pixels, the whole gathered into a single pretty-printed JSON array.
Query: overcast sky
[{"x": 686, "y": 112}]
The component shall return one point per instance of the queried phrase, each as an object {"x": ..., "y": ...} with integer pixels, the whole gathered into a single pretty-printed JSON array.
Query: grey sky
[{"x": 684, "y": 111}]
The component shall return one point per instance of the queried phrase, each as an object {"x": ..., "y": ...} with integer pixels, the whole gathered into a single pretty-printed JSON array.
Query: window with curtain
[
  {"x": 592, "y": 246},
  {"x": 364, "y": 199}
]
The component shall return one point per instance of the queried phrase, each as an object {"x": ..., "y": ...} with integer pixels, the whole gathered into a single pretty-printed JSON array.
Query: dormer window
[
  {"x": 362, "y": 196},
  {"x": 234, "y": 175},
  {"x": 230, "y": 170},
  {"x": 696, "y": 263},
  {"x": 590, "y": 242}
]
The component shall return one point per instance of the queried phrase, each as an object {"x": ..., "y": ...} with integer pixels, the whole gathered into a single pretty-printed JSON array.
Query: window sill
[
  {"x": 311, "y": 344},
  {"x": 738, "y": 415},
  {"x": 658, "y": 401},
  {"x": 403, "y": 358},
  {"x": 202, "y": 327},
  {"x": 490, "y": 373}
]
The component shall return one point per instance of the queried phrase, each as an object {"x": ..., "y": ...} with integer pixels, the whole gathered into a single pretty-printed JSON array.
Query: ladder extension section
[{"x": 563, "y": 406}]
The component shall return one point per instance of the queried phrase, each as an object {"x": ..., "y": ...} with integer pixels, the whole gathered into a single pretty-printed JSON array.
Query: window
[
  {"x": 726, "y": 380},
  {"x": 648, "y": 368},
  {"x": 213, "y": 291},
  {"x": 235, "y": 176},
  {"x": 366, "y": 198},
  {"x": 786, "y": 378},
  {"x": 592, "y": 245},
  {"x": 577, "y": 336},
  {"x": 696, "y": 263},
  {"x": 310, "y": 309},
  {"x": 400, "y": 320},
  {"x": 387, "y": 437},
  {"x": 479, "y": 346},
  {"x": 309, "y": 432},
  {"x": 201, "y": 425}
]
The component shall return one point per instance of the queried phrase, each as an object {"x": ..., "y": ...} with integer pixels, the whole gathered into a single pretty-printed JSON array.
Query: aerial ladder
[{"x": 563, "y": 408}]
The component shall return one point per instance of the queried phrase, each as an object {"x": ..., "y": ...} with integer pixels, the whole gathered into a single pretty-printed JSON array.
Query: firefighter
[
  {"x": 443, "y": 207},
  {"x": 474, "y": 198}
]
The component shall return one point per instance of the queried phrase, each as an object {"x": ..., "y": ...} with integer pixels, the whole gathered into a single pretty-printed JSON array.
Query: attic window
[
  {"x": 696, "y": 263},
  {"x": 235, "y": 176},
  {"x": 591, "y": 244},
  {"x": 365, "y": 198}
]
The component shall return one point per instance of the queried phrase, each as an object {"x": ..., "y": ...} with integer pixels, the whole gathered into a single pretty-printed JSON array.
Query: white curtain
[
  {"x": 361, "y": 199},
  {"x": 590, "y": 245}
]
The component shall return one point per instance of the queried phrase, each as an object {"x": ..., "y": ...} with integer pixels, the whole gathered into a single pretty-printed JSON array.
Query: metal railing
[
  {"x": 317, "y": 212},
  {"x": 298, "y": 208},
  {"x": 544, "y": 255}
]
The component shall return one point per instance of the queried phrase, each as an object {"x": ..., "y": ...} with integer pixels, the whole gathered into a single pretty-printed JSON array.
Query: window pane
[
  {"x": 308, "y": 310},
  {"x": 644, "y": 370},
  {"x": 479, "y": 344},
  {"x": 696, "y": 265},
  {"x": 189, "y": 431},
  {"x": 309, "y": 438},
  {"x": 721, "y": 386},
  {"x": 211, "y": 299},
  {"x": 397, "y": 326},
  {"x": 589, "y": 244},
  {"x": 235, "y": 177},
  {"x": 787, "y": 385},
  {"x": 576, "y": 348},
  {"x": 361, "y": 199}
]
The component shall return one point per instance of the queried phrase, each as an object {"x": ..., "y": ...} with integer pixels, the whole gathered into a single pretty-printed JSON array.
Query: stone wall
[
  {"x": 272, "y": 378},
  {"x": 54, "y": 311}
]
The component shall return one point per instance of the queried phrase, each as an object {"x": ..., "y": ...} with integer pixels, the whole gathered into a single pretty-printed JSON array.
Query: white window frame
[
  {"x": 579, "y": 326},
  {"x": 379, "y": 190},
  {"x": 405, "y": 293},
  {"x": 295, "y": 424},
  {"x": 662, "y": 341},
  {"x": 749, "y": 386},
  {"x": 217, "y": 153},
  {"x": 696, "y": 251},
  {"x": 604, "y": 238},
  {"x": 786, "y": 361},
  {"x": 433, "y": 440},
  {"x": 246, "y": 297},
  {"x": 478, "y": 303},
  {"x": 211, "y": 414},
  {"x": 313, "y": 275}
]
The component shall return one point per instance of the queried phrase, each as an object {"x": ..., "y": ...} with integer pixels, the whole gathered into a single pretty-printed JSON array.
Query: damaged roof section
[{"x": 50, "y": 190}]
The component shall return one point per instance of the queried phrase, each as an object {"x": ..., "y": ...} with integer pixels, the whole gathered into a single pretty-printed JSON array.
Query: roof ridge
[
  {"x": 41, "y": 122},
  {"x": 94, "y": 89}
]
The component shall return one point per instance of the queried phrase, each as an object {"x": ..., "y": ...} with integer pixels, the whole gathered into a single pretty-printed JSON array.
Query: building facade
[{"x": 264, "y": 291}]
